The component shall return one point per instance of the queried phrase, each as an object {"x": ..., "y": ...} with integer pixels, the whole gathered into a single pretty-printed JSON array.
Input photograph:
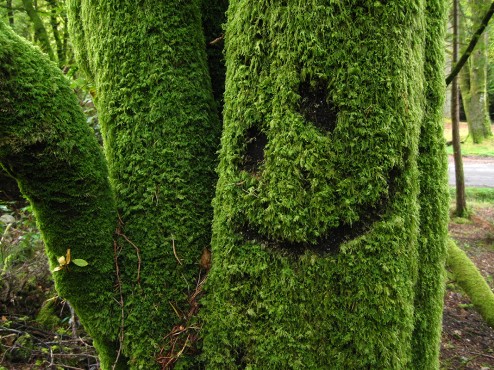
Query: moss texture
[
  {"x": 315, "y": 236},
  {"x": 433, "y": 199},
  {"x": 47, "y": 146},
  {"x": 160, "y": 133},
  {"x": 471, "y": 281}
]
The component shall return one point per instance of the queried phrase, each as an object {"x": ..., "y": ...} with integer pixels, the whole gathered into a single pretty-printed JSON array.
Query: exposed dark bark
[
  {"x": 461, "y": 206},
  {"x": 460, "y": 63}
]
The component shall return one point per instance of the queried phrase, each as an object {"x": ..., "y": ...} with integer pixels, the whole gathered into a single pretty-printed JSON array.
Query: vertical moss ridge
[{"x": 433, "y": 198}]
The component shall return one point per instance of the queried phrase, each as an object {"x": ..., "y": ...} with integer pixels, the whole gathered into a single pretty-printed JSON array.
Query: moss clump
[
  {"x": 46, "y": 315},
  {"x": 160, "y": 133},
  {"x": 471, "y": 281},
  {"x": 47, "y": 146},
  {"x": 315, "y": 237}
]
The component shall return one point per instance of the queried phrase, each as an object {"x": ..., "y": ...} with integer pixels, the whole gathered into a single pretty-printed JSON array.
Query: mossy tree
[
  {"x": 322, "y": 257},
  {"x": 328, "y": 238},
  {"x": 473, "y": 76},
  {"x": 160, "y": 130},
  {"x": 160, "y": 133},
  {"x": 47, "y": 146}
]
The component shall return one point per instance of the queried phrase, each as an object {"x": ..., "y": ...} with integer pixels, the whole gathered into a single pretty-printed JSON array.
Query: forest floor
[
  {"x": 30, "y": 340},
  {"x": 467, "y": 341}
]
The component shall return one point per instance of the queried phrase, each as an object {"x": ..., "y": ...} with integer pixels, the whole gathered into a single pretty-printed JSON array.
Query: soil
[{"x": 467, "y": 341}]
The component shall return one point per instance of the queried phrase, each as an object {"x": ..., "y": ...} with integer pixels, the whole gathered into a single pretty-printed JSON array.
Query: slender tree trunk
[
  {"x": 10, "y": 12},
  {"x": 479, "y": 123},
  {"x": 67, "y": 55},
  {"x": 160, "y": 131},
  {"x": 464, "y": 74},
  {"x": 56, "y": 34},
  {"x": 40, "y": 33},
  {"x": 433, "y": 198},
  {"x": 461, "y": 206}
]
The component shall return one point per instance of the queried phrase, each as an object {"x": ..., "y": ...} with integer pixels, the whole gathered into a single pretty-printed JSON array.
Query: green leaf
[{"x": 79, "y": 262}]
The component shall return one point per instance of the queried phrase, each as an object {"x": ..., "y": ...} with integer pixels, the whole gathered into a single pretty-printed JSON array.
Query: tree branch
[{"x": 471, "y": 46}]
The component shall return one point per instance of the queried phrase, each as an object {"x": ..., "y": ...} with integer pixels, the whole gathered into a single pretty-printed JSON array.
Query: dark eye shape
[
  {"x": 315, "y": 107},
  {"x": 254, "y": 153}
]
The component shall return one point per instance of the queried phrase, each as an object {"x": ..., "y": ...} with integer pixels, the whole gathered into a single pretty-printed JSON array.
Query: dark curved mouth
[{"x": 328, "y": 244}]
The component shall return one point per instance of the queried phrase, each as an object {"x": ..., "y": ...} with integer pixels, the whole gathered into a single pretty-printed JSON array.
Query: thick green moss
[
  {"x": 316, "y": 217},
  {"x": 471, "y": 281},
  {"x": 47, "y": 146},
  {"x": 433, "y": 199},
  {"x": 160, "y": 132}
]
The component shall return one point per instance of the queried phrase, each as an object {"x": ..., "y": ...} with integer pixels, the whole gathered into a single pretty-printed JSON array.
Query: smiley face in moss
[{"x": 302, "y": 182}]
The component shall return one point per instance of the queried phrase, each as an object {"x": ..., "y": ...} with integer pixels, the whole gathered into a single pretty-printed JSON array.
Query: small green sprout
[{"x": 64, "y": 261}]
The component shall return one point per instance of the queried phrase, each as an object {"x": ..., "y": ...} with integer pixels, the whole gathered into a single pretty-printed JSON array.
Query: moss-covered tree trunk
[
  {"x": 54, "y": 23},
  {"x": 473, "y": 77},
  {"x": 47, "y": 146},
  {"x": 160, "y": 133},
  {"x": 316, "y": 240},
  {"x": 40, "y": 33},
  {"x": 433, "y": 198},
  {"x": 10, "y": 12}
]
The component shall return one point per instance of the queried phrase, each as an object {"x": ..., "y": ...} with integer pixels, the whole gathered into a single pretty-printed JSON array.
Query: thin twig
[
  {"x": 216, "y": 40},
  {"x": 138, "y": 251},
  {"x": 175, "y": 252},
  {"x": 122, "y": 317},
  {"x": 482, "y": 355}
]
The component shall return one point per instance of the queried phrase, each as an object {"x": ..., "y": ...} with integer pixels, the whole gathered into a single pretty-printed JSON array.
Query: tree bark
[
  {"x": 473, "y": 78},
  {"x": 40, "y": 33},
  {"x": 10, "y": 12},
  {"x": 461, "y": 205},
  {"x": 479, "y": 123},
  {"x": 56, "y": 33}
]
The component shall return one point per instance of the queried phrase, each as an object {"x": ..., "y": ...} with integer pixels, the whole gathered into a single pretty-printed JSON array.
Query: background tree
[
  {"x": 473, "y": 76},
  {"x": 43, "y": 22},
  {"x": 316, "y": 229},
  {"x": 461, "y": 202}
]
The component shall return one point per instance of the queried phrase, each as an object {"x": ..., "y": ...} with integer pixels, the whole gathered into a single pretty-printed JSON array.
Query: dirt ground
[{"x": 467, "y": 341}]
